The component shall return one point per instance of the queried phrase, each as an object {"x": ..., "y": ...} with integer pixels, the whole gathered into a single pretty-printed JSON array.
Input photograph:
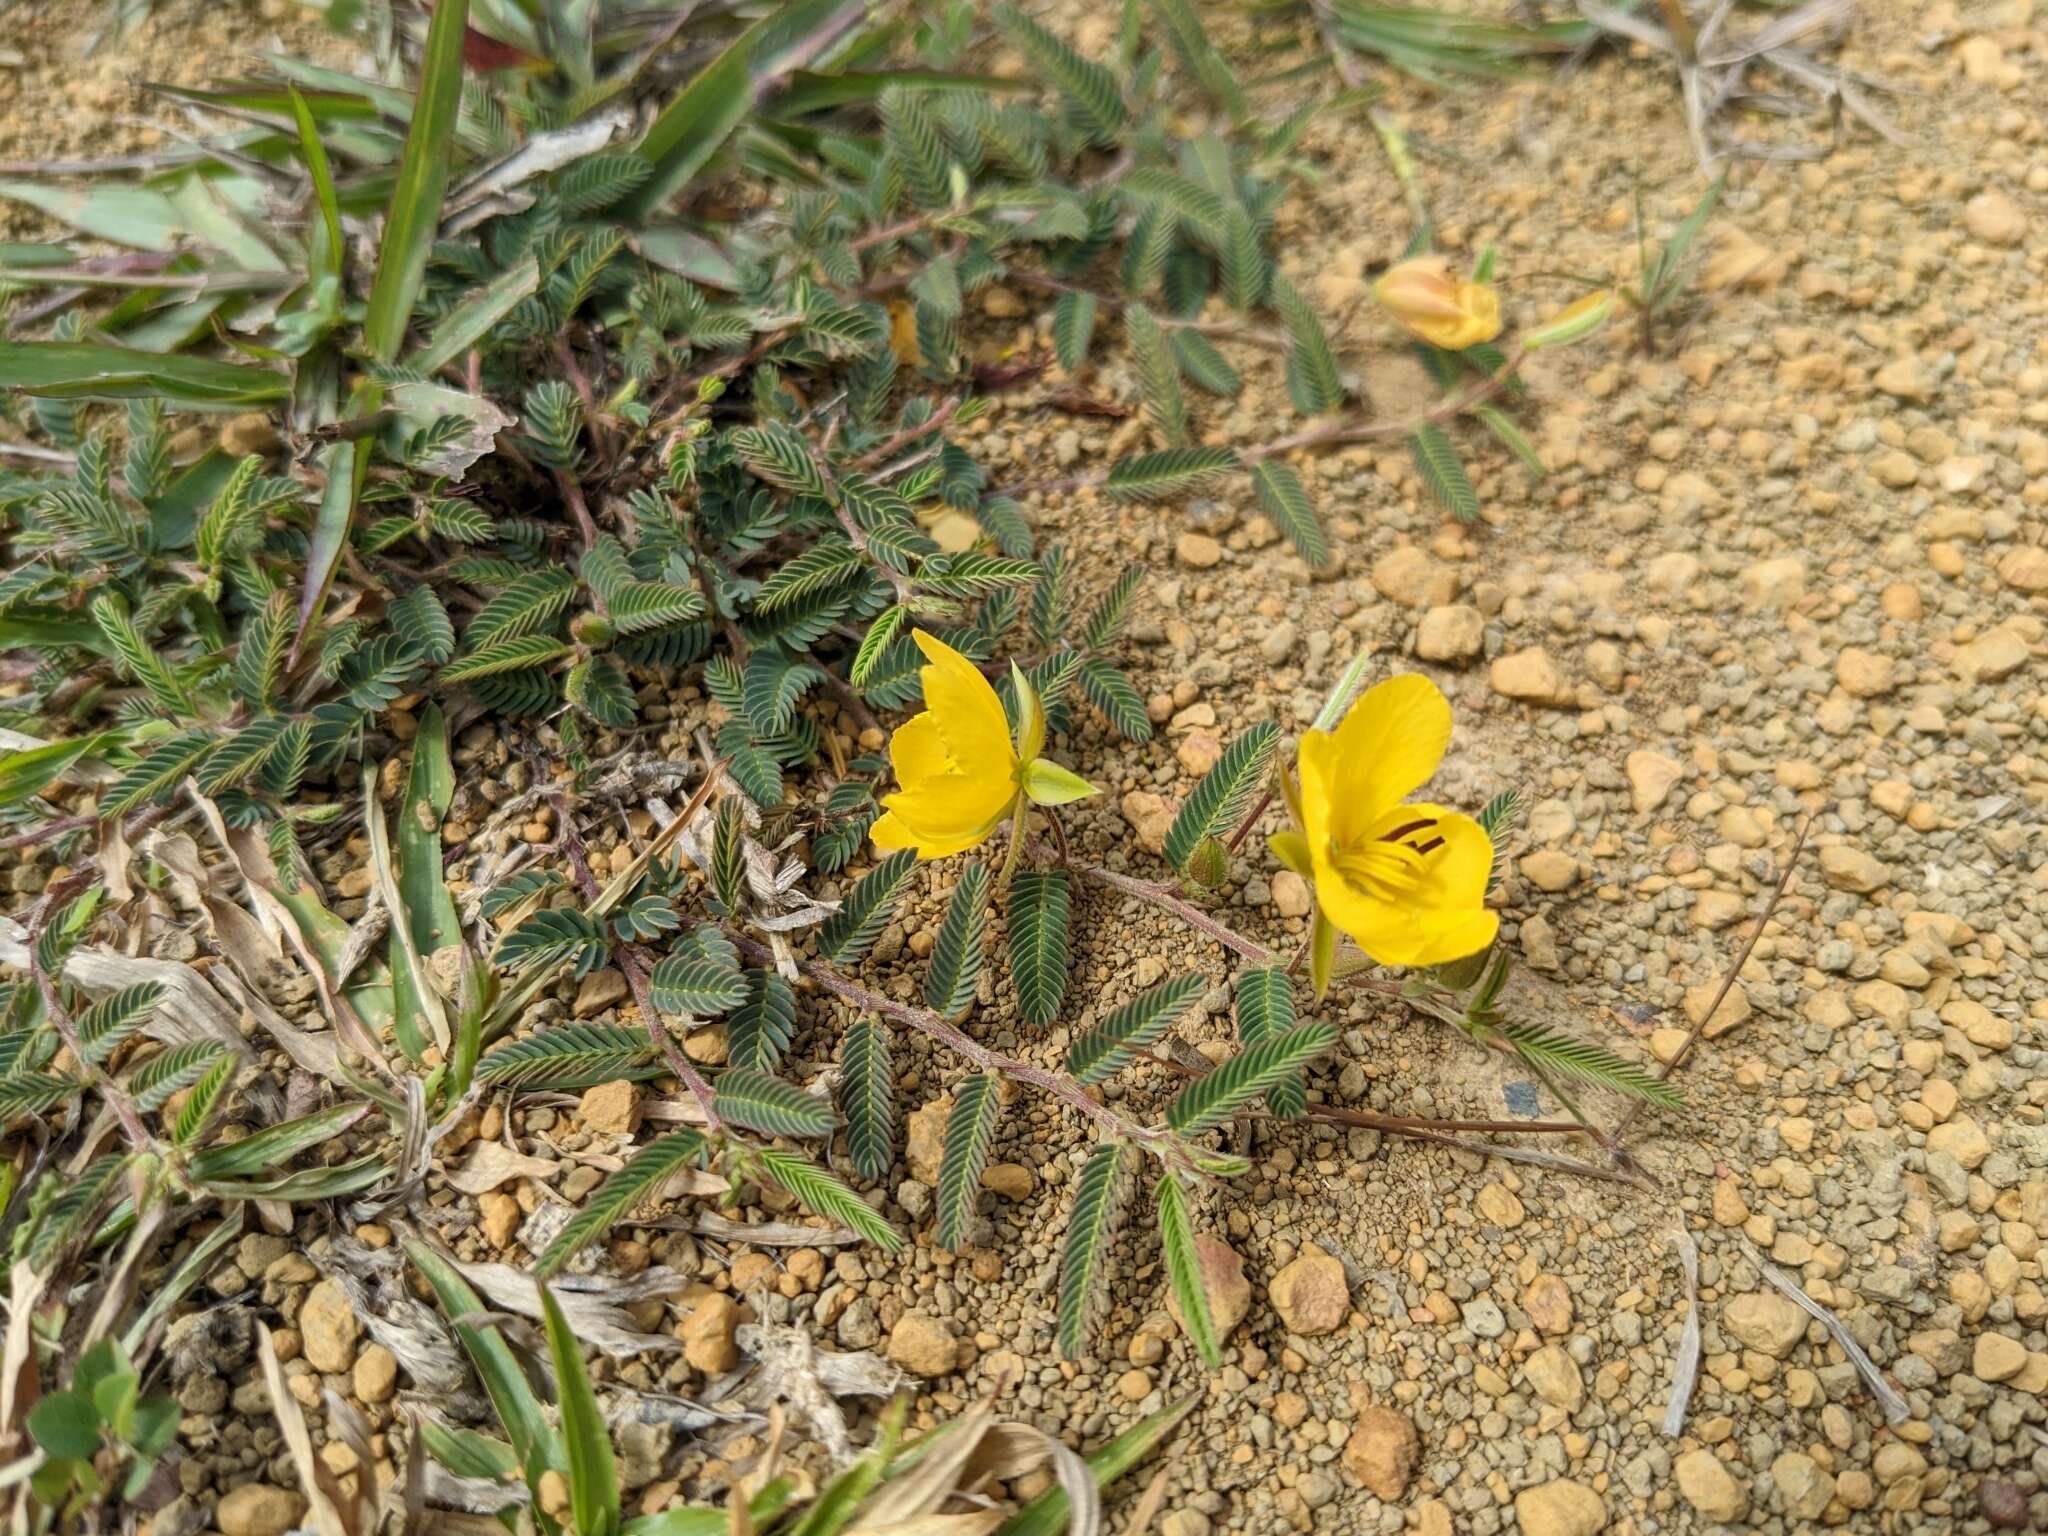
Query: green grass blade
[
  {"x": 693, "y": 127},
  {"x": 70, "y": 370},
  {"x": 586, "y": 1443},
  {"x": 329, "y": 251},
  {"x": 414, "y": 214},
  {"x": 512, "y": 1396}
]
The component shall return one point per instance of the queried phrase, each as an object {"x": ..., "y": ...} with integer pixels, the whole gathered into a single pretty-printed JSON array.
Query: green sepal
[
  {"x": 1047, "y": 783},
  {"x": 1291, "y": 849},
  {"x": 1322, "y": 953}
]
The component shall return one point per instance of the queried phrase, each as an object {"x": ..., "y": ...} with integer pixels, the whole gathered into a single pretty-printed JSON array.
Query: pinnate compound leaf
[
  {"x": 955, "y": 971},
  {"x": 1039, "y": 905},
  {"x": 1073, "y": 327},
  {"x": 1091, "y": 1224},
  {"x": 152, "y": 1083},
  {"x": 696, "y": 984},
  {"x": 1117, "y": 697},
  {"x": 1184, "y": 1268},
  {"x": 970, "y": 1130},
  {"x": 1106, "y": 620},
  {"x": 1105, "y": 1049},
  {"x": 555, "y": 937},
  {"x": 1591, "y": 1064},
  {"x": 865, "y": 910},
  {"x": 758, "y": 1102},
  {"x": 618, "y": 1196},
  {"x": 111, "y": 1020},
  {"x": 572, "y": 1056},
  {"x": 1265, "y": 1008},
  {"x": 1094, "y": 99},
  {"x": 1167, "y": 473},
  {"x": 759, "y": 1028},
  {"x": 867, "y": 1098},
  {"x": 1225, "y": 793},
  {"x": 1443, "y": 472},
  {"x": 1220, "y": 1093},
  {"x": 1286, "y": 501},
  {"x": 818, "y": 1191}
]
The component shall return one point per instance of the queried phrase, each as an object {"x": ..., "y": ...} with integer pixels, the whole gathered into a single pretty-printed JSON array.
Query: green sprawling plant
[
  {"x": 874, "y": 1491},
  {"x": 559, "y": 376},
  {"x": 1663, "y": 279}
]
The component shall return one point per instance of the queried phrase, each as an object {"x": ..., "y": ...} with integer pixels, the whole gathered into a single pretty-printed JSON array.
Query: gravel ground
[{"x": 1787, "y": 570}]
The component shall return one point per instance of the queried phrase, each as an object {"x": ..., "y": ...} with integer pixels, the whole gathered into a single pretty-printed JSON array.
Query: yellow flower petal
[
  {"x": 968, "y": 713},
  {"x": 942, "y": 815},
  {"x": 917, "y": 751},
  {"x": 891, "y": 832},
  {"x": 1389, "y": 744},
  {"x": 1426, "y": 301},
  {"x": 1412, "y": 892}
]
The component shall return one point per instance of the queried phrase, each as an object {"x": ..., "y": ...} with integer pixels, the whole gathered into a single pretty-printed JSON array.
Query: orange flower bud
[{"x": 1425, "y": 300}]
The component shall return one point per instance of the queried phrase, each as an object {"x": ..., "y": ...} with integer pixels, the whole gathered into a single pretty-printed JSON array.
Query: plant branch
[
  {"x": 926, "y": 1022},
  {"x": 1665, "y": 1069},
  {"x": 633, "y": 965}
]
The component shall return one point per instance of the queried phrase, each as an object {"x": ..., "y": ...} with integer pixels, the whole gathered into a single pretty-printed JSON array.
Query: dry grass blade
[
  {"x": 324, "y": 1497},
  {"x": 1896, "y": 1409},
  {"x": 189, "y": 1009},
  {"x": 1713, "y": 72},
  {"x": 938, "y": 1474},
  {"x": 1686, "y": 1370},
  {"x": 595, "y": 1308}
]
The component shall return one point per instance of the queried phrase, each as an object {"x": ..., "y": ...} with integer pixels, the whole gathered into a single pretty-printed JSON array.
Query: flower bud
[
  {"x": 592, "y": 628},
  {"x": 1577, "y": 319},
  {"x": 1425, "y": 300},
  {"x": 1209, "y": 864}
]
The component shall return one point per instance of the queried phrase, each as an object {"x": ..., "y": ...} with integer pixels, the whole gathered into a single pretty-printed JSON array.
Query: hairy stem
[
  {"x": 634, "y": 965},
  {"x": 926, "y": 1022}
]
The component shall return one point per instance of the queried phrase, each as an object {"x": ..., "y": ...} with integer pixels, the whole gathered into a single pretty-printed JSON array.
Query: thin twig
[
  {"x": 1728, "y": 978},
  {"x": 926, "y": 1022},
  {"x": 633, "y": 964},
  {"x": 1161, "y": 896}
]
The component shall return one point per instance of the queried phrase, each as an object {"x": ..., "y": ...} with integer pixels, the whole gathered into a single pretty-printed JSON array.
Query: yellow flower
[
  {"x": 1406, "y": 881},
  {"x": 960, "y": 770},
  {"x": 1426, "y": 300}
]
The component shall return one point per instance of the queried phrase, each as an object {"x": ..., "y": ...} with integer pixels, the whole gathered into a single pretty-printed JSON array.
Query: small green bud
[
  {"x": 1209, "y": 864},
  {"x": 1574, "y": 321},
  {"x": 592, "y": 628}
]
